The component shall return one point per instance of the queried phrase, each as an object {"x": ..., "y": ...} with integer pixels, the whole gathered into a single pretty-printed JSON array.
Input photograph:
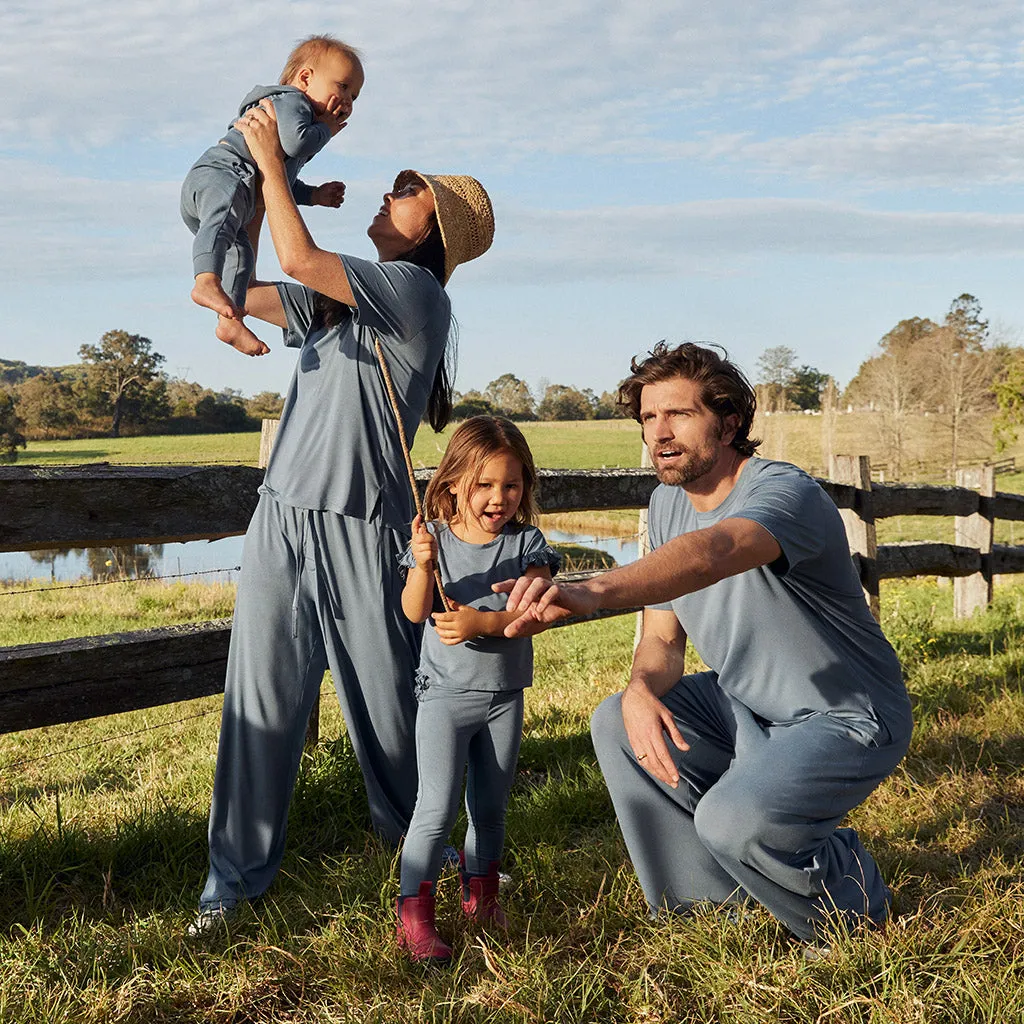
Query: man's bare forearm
[{"x": 686, "y": 564}]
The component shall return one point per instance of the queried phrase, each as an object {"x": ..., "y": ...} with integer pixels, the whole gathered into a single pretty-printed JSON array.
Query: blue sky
[{"x": 754, "y": 174}]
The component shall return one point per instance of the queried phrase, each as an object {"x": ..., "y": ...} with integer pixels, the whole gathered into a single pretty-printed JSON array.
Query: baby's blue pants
[
  {"x": 317, "y": 590},
  {"x": 217, "y": 205},
  {"x": 756, "y": 810},
  {"x": 475, "y": 733}
]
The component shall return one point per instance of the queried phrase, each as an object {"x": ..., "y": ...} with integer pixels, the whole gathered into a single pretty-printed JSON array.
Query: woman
[{"x": 320, "y": 584}]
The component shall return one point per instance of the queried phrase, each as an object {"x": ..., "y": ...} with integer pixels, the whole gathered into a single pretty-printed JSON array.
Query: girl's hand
[
  {"x": 423, "y": 545},
  {"x": 259, "y": 129},
  {"x": 459, "y": 624}
]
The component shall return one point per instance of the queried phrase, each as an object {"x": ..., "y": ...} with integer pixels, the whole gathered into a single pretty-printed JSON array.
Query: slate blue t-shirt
[
  {"x": 795, "y": 637},
  {"x": 337, "y": 447},
  {"x": 492, "y": 663}
]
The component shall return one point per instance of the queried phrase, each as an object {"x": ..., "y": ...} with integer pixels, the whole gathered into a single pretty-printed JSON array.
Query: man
[{"x": 730, "y": 784}]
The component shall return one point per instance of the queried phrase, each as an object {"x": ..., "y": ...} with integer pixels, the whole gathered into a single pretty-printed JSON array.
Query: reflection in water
[
  {"x": 117, "y": 562},
  {"x": 206, "y": 561}
]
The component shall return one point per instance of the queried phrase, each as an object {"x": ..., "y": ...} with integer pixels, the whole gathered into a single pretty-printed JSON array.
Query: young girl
[{"x": 471, "y": 677}]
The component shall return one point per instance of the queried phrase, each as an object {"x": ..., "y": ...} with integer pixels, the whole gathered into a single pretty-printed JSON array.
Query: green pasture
[
  {"x": 103, "y": 849},
  {"x": 587, "y": 444}
]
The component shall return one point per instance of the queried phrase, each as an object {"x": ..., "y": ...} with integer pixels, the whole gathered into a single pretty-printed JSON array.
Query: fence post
[
  {"x": 860, "y": 522},
  {"x": 268, "y": 431},
  {"x": 643, "y": 540},
  {"x": 975, "y": 531}
]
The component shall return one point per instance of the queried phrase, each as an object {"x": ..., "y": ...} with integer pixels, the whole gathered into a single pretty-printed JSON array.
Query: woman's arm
[
  {"x": 298, "y": 254},
  {"x": 263, "y": 301}
]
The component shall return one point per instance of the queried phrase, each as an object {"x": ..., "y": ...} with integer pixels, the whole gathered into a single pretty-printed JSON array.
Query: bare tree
[
  {"x": 960, "y": 368},
  {"x": 829, "y": 415},
  {"x": 775, "y": 368},
  {"x": 896, "y": 383}
]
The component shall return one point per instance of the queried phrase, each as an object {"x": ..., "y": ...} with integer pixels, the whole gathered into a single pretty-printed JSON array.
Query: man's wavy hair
[{"x": 723, "y": 387}]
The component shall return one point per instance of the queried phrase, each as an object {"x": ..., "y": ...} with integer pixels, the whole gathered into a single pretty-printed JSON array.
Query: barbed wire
[
  {"x": 87, "y": 465},
  {"x": 108, "y": 739},
  {"x": 125, "y": 579}
]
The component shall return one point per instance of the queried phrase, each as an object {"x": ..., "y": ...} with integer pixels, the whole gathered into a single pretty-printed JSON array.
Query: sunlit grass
[{"x": 103, "y": 850}]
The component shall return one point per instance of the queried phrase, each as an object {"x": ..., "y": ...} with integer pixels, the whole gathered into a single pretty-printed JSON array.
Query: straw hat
[{"x": 464, "y": 215}]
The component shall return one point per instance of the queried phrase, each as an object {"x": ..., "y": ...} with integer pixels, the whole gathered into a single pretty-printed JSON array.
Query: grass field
[
  {"x": 102, "y": 853},
  {"x": 584, "y": 444}
]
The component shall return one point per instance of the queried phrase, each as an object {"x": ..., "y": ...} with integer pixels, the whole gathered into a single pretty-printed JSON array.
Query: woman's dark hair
[
  {"x": 723, "y": 387},
  {"x": 428, "y": 254}
]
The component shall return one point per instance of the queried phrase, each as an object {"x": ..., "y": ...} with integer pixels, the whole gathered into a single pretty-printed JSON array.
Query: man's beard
[{"x": 692, "y": 468}]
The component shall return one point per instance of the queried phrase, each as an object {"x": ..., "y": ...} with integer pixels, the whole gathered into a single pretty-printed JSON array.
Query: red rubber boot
[
  {"x": 416, "y": 930},
  {"x": 480, "y": 896}
]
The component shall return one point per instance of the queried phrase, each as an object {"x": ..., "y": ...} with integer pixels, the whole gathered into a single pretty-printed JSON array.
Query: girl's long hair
[
  {"x": 428, "y": 254},
  {"x": 474, "y": 442}
]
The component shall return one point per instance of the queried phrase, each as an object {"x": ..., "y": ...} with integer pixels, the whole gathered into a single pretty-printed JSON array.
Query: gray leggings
[
  {"x": 756, "y": 810},
  {"x": 456, "y": 729}
]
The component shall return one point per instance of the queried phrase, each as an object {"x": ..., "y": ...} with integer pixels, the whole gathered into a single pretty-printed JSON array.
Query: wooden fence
[{"x": 87, "y": 677}]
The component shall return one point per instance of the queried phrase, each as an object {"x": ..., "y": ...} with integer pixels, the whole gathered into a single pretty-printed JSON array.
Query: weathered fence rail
[{"x": 50, "y": 683}]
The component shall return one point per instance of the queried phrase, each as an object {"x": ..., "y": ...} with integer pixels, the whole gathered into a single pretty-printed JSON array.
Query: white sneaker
[{"x": 209, "y": 921}]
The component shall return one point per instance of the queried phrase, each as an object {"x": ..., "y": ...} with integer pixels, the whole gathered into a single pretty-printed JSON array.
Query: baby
[{"x": 319, "y": 84}]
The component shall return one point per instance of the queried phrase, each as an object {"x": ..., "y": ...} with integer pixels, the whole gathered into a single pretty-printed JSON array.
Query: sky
[{"x": 750, "y": 174}]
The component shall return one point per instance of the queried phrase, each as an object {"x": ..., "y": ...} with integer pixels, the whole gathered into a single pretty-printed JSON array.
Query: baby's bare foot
[
  {"x": 209, "y": 293},
  {"x": 237, "y": 335}
]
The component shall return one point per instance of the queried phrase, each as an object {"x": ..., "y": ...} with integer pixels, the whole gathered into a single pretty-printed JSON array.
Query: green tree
[
  {"x": 562, "y": 402},
  {"x": 805, "y": 386},
  {"x": 511, "y": 397},
  {"x": 606, "y": 407},
  {"x": 267, "y": 405},
  {"x": 472, "y": 403},
  {"x": 11, "y": 438},
  {"x": 1008, "y": 389},
  {"x": 50, "y": 405},
  {"x": 121, "y": 369}
]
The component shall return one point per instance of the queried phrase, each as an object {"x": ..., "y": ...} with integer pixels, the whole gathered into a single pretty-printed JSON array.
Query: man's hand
[
  {"x": 647, "y": 720},
  {"x": 330, "y": 193},
  {"x": 541, "y": 603},
  {"x": 459, "y": 624}
]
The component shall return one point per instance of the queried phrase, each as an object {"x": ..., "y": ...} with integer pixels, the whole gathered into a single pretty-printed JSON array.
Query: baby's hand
[
  {"x": 333, "y": 116},
  {"x": 423, "y": 545},
  {"x": 330, "y": 193}
]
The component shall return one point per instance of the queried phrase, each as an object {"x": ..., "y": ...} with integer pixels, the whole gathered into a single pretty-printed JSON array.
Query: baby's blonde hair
[
  {"x": 312, "y": 51},
  {"x": 474, "y": 442}
]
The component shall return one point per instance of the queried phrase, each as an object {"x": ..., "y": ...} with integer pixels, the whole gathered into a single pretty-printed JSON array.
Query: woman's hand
[
  {"x": 423, "y": 545},
  {"x": 258, "y": 126}
]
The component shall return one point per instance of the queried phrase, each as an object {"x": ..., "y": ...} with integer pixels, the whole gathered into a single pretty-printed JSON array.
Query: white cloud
[{"x": 721, "y": 237}]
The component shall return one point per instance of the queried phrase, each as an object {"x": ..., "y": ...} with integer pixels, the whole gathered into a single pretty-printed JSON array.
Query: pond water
[{"x": 199, "y": 561}]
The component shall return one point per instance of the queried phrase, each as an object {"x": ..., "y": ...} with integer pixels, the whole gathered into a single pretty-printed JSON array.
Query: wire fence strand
[
  {"x": 125, "y": 579},
  {"x": 108, "y": 739}
]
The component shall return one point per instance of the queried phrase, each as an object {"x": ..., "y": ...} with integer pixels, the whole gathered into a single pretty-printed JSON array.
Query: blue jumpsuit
[
  {"x": 320, "y": 584},
  {"x": 802, "y": 714},
  {"x": 218, "y": 196}
]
